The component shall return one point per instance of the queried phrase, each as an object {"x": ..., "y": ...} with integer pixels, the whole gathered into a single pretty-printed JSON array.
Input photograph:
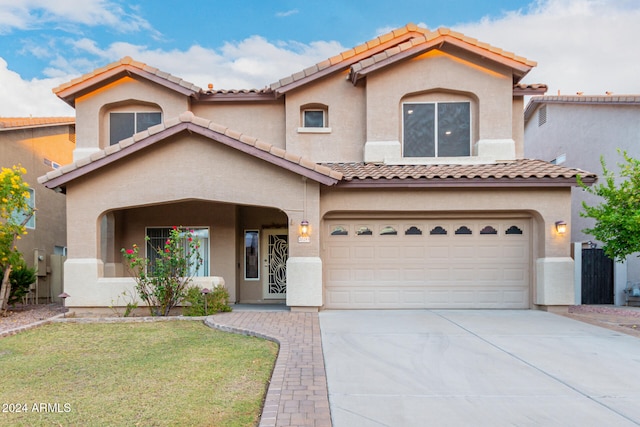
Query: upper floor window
[
  {"x": 436, "y": 129},
  {"x": 314, "y": 118},
  {"x": 123, "y": 125}
]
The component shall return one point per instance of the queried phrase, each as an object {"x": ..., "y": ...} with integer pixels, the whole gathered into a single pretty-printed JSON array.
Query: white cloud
[
  {"x": 287, "y": 13},
  {"x": 24, "y": 98},
  {"x": 580, "y": 46},
  {"x": 33, "y": 14}
]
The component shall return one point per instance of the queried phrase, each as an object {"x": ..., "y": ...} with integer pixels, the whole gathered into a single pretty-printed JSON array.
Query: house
[
  {"x": 388, "y": 176},
  {"x": 576, "y": 131},
  {"x": 40, "y": 145}
]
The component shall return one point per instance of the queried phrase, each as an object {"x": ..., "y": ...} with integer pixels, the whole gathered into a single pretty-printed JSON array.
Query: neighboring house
[
  {"x": 40, "y": 145},
  {"x": 389, "y": 176},
  {"x": 576, "y": 131}
]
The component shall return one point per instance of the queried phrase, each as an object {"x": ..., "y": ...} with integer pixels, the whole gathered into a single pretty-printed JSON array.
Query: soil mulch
[{"x": 23, "y": 315}]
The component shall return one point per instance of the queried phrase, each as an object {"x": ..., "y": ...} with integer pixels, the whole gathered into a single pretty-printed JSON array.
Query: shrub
[
  {"x": 217, "y": 301},
  {"x": 21, "y": 278}
]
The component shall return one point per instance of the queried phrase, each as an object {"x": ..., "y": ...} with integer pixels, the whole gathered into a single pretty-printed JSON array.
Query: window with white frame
[
  {"x": 436, "y": 129},
  {"x": 157, "y": 236},
  {"x": 122, "y": 125},
  {"x": 314, "y": 118}
]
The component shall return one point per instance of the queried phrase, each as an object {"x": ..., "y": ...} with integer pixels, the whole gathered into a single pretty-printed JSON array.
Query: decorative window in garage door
[
  {"x": 438, "y": 230},
  {"x": 388, "y": 231},
  {"x": 364, "y": 231},
  {"x": 339, "y": 230},
  {"x": 413, "y": 231},
  {"x": 513, "y": 230},
  {"x": 488, "y": 230},
  {"x": 464, "y": 230}
]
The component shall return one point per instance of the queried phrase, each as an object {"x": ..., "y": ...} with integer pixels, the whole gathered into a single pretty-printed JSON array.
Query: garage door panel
[
  {"x": 464, "y": 252},
  {"x": 363, "y": 253},
  {"x": 425, "y": 270}
]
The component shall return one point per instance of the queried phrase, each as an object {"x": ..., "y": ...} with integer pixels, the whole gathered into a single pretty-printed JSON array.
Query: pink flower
[
  {"x": 130, "y": 251},
  {"x": 175, "y": 228},
  {"x": 167, "y": 250},
  {"x": 190, "y": 239}
]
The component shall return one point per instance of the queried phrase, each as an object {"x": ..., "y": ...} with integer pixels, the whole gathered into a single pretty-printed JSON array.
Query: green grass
[{"x": 179, "y": 373}]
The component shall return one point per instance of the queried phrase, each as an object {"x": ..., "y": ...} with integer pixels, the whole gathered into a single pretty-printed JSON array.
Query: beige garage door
[{"x": 461, "y": 263}]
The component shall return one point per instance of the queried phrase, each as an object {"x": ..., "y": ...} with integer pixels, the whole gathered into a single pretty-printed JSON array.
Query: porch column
[{"x": 304, "y": 266}]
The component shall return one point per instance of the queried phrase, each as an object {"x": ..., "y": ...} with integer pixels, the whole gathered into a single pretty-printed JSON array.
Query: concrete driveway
[{"x": 477, "y": 368}]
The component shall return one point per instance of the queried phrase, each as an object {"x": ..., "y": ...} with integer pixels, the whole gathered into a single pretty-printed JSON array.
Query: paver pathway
[{"x": 297, "y": 394}]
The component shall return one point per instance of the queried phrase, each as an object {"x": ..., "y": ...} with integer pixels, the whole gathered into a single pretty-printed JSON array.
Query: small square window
[{"x": 313, "y": 118}]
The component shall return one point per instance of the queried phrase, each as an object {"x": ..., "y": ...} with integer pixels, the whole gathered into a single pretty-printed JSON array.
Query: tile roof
[
  {"x": 28, "y": 122},
  {"x": 70, "y": 90},
  {"x": 409, "y": 39},
  {"x": 580, "y": 99},
  {"x": 188, "y": 121},
  {"x": 519, "y": 172}
]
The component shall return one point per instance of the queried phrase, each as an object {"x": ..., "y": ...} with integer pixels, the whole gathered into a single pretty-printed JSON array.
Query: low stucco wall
[{"x": 87, "y": 288}]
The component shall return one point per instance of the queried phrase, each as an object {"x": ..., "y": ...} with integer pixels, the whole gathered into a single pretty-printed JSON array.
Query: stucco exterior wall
[
  {"x": 583, "y": 133},
  {"x": 346, "y": 118},
  {"x": 437, "y": 71},
  {"x": 545, "y": 206},
  {"x": 170, "y": 173},
  {"x": 29, "y": 147},
  {"x": 92, "y": 121},
  {"x": 266, "y": 119}
]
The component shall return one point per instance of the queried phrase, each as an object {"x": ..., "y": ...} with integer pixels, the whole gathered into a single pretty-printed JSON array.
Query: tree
[
  {"x": 15, "y": 212},
  {"x": 618, "y": 216}
]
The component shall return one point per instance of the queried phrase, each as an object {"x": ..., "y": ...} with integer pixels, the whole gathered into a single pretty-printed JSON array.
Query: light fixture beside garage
[
  {"x": 303, "y": 232},
  {"x": 561, "y": 227}
]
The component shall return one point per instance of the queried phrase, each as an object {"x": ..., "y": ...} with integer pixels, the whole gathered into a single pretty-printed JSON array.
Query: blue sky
[{"x": 580, "y": 45}]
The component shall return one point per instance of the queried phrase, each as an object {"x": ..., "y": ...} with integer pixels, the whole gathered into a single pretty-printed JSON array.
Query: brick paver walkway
[{"x": 297, "y": 394}]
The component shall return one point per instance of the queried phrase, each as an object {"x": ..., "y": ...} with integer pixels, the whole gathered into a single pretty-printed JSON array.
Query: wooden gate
[{"x": 597, "y": 277}]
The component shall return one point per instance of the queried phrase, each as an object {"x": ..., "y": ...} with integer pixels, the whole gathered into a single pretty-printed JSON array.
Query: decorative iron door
[{"x": 276, "y": 253}]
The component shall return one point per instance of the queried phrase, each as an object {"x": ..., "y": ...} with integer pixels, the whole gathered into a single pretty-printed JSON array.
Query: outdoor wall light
[
  {"x": 561, "y": 227},
  {"x": 303, "y": 232}
]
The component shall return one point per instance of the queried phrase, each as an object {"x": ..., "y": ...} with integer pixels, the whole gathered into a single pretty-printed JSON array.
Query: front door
[{"x": 275, "y": 250}]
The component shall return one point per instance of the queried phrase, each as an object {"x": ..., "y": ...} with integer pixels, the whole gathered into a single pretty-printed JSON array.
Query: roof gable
[
  {"x": 116, "y": 70},
  {"x": 190, "y": 123},
  {"x": 399, "y": 44}
]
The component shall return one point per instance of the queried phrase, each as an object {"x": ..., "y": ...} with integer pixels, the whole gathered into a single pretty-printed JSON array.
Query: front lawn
[{"x": 133, "y": 374}]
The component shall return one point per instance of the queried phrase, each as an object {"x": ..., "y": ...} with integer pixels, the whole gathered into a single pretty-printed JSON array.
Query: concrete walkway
[
  {"x": 297, "y": 394},
  {"x": 478, "y": 368}
]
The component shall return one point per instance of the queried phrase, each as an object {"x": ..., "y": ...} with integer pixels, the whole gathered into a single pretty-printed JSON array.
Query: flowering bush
[{"x": 163, "y": 277}]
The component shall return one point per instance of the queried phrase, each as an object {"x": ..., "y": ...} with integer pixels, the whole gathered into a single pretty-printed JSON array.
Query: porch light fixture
[
  {"x": 561, "y": 227},
  {"x": 303, "y": 232}
]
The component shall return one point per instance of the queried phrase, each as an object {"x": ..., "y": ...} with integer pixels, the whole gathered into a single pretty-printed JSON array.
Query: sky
[{"x": 588, "y": 46}]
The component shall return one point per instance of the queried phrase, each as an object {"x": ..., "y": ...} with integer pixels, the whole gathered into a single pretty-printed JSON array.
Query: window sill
[{"x": 314, "y": 130}]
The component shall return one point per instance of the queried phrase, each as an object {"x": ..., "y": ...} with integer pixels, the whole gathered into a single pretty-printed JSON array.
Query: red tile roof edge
[
  {"x": 608, "y": 99},
  {"x": 7, "y": 123},
  {"x": 142, "y": 139}
]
